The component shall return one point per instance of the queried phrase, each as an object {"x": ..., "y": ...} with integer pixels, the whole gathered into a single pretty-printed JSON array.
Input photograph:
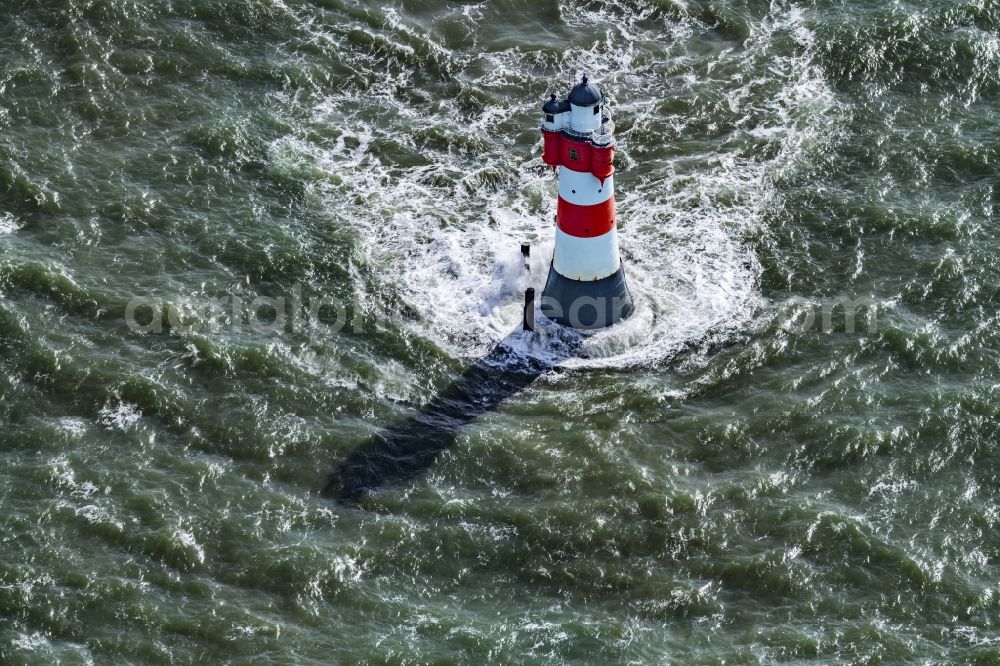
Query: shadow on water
[{"x": 400, "y": 453}]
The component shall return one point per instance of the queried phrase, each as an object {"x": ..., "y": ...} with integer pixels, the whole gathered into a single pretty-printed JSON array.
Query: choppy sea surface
[{"x": 789, "y": 454}]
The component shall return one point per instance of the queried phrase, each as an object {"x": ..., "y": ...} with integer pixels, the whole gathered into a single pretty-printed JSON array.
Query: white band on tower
[{"x": 584, "y": 188}]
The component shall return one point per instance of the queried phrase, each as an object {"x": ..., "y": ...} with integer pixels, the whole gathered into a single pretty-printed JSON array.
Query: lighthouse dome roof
[
  {"x": 585, "y": 94},
  {"x": 555, "y": 106}
]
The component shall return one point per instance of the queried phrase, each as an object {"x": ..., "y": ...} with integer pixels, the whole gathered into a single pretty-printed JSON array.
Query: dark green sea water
[{"x": 741, "y": 473}]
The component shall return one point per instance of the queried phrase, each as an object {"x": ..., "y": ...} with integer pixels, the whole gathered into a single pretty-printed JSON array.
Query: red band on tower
[
  {"x": 552, "y": 153},
  {"x": 575, "y": 154},
  {"x": 586, "y": 221}
]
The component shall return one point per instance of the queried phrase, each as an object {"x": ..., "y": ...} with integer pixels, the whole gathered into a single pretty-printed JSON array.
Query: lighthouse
[{"x": 586, "y": 286}]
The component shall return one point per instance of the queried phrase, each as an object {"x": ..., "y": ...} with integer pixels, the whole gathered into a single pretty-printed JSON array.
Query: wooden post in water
[{"x": 528, "y": 319}]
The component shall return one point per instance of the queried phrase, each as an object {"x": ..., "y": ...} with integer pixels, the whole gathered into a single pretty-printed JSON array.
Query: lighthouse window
[
  {"x": 573, "y": 155},
  {"x": 549, "y": 118},
  {"x": 597, "y": 109}
]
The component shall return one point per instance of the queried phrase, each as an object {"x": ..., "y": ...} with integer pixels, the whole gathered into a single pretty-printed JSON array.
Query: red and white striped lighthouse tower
[{"x": 586, "y": 286}]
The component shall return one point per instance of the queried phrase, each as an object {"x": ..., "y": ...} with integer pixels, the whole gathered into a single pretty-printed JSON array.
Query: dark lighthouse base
[{"x": 587, "y": 304}]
